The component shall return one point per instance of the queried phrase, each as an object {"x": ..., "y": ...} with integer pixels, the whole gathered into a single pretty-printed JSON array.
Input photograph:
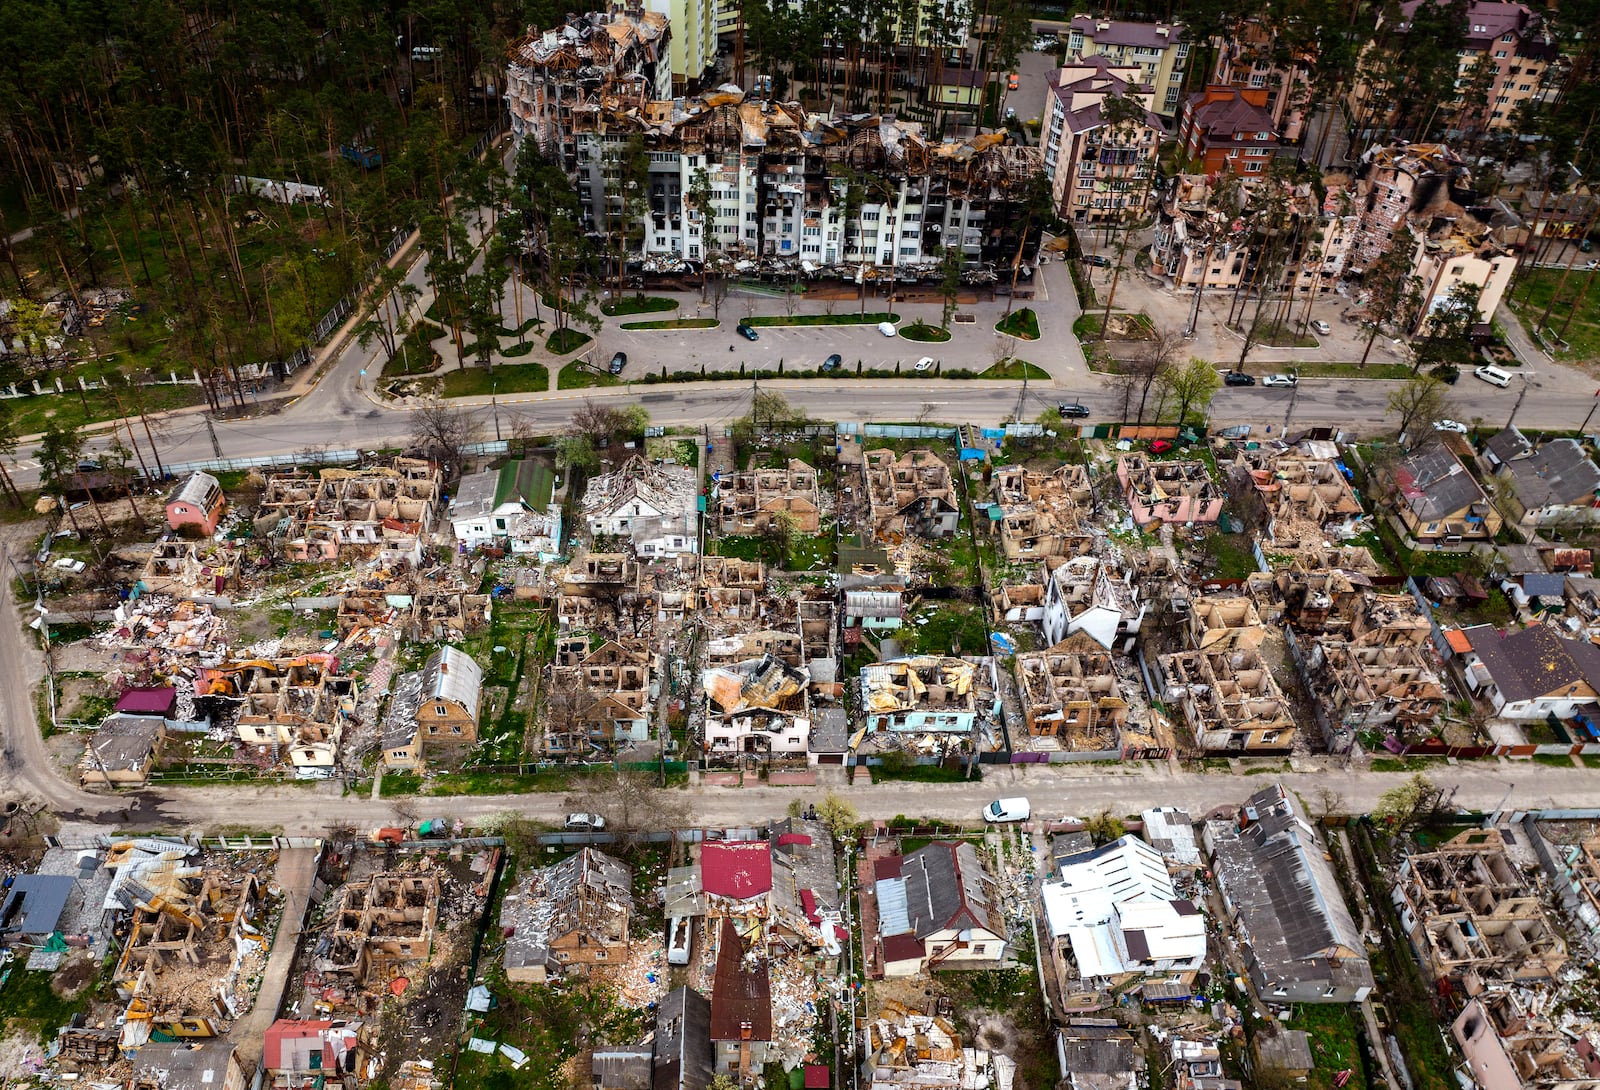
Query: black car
[
  {"x": 746, "y": 331},
  {"x": 1071, "y": 410},
  {"x": 618, "y": 362},
  {"x": 833, "y": 362},
  {"x": 1097, "y": 260},
  {"x": 1239, "y": 378}
]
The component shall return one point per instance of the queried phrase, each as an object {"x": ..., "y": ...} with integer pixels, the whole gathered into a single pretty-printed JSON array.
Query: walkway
[{"x": 295, "y": 874}]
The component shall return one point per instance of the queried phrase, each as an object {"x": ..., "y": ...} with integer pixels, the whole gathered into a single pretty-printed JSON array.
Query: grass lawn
[
  {"x": 1533, "y": 295},
  {"x": 416, "y": 355},
  {"x": 635, "y": 304},
  {"x": 399, "y": 783},
  {"x": 805, "y": 552},
  {"x": 550, "y": 1024},
  {"x": 1352, "y": 370},
  {"x": 674, "y": 323},
  {"x": 33, "y": 414},
  {"x": 1282, "y": 335},
  {"x": 1230, "y": 555},
  {"x": 505, "y": 379},
  {"x": 1022, "y": 323},
  {"x": 952, "y": 624},
  {"x": 563, "y": 341},
  {"x": 871, "y": 317},
  {"x": 922, "y": 331},
  {"x": 1124, "y": 326},
  {"x": 513, "y": 351},
  {"x": 29, "y": 1001},
  {"x": 921, "y": 774},
  {"x": 1332, "y": 1028},
  {"x": 578, "y": 376},
  {"x": 1015, "y": 369}
]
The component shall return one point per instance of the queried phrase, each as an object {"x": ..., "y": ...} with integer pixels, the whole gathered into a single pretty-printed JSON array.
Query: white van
[
  {"x": 1006, "y": 810},
  {"x": 680, "y": 936},
  {"x": 1494, "y": 376}
]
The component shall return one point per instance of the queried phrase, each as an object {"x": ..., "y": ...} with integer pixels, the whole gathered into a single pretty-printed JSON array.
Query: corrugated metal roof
[
  {"x": 893, "y": 917},
  {"x": 451, "y": 674}
]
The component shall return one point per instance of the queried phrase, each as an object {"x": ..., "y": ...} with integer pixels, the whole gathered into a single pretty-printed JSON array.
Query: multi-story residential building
[
  {"x": 1228, "y": 130},
  {"x": 1098, "y": 169},
  {"x": 1249, "y": 58},
  {"x": 692, "y": 45},
  {"x": 1157, "y": 49},
  {"x": 932, "y": 24},
  {"x": 1460, "y": 260}
]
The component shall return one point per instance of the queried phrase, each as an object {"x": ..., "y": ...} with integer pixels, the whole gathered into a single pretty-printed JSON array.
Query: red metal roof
[
  {"x": 817, "y": 1077},
  {"x": 159, "y": 700},
  {"x": 740, "y": 870},
  {"x": 286, "y": 1029},
  {"x": 794, "y": 838},
  {"x": 887, "y": 867},
  {"x": 902, "y": 948},
  {"x": 808, "y": 901}
]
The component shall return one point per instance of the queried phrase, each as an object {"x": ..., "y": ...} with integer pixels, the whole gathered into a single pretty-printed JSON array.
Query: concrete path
[{"x": 295, "y": 873}]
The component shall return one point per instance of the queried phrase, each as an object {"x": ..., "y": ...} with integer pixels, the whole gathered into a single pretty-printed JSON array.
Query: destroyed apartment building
[
  {"x": 750, "y": 502},
  {"x": 1073, "y": 697},
  {"x": 600, "y": 695},
  {"x": 1365, "y": 688},
  {"x": 1304, "y": 490},
  {"x": 655, "y": 507},
  {"x": 377, "y": 929},
  {"x": 1229, "y": 699},
  {"x": 294, "y": 709},
  {"x": 909, "y": 496},
  {"x": 1177, "y": 492},
  {"x": 377, "y": 511},
  {"x": 1041, "y": 514},
  {"x": 1474, "y": 917},
  {"x": 573, "y": 914},
  {"x": 931, "y": 704}
]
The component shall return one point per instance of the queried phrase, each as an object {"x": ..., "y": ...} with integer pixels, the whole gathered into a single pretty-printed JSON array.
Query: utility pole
[
  {"x": 494, "y": 406},
  {"x": 1294, "y": 392},
  {"x": 1592, "y": 406},
  {"x": 211, "y": 430}
]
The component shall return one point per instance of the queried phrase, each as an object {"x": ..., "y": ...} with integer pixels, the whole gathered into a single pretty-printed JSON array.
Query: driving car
[
  {"x": 1072, "y": 410},
  {"x": 618, "y": 362},
  {"x": 1279, "y": 380},
  {"x": 886, "y": 328},
  {"x": 923, "y": 364},
  {"x": 1012, "y": 81},
  {"x": 1097, "y": 260},
  {"x": 747, "y": 331},
  {"x": 1007, "y": 810},
  {"x": 584, "y": 823},
  {"x": 1321, "y": 327},
  {"x": 1450, "y": 425},
  {"x": 1238, "y": 378},
  {"x": 832, "y": 362}
]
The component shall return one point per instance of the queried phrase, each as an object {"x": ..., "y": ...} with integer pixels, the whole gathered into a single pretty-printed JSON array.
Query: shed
[
  {"x": 33, "y": 907},
  {"x": 198, "y": 501},
  {"x": 159, "y": 700},
  {"x": 1288, "y": 1050}
]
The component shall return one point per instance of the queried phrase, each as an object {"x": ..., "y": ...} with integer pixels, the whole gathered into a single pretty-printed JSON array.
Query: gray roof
[
  {"x": 196, "y": 488},
  {"x": 1545, "y": 584},
  {"x": 400, "y": 721},
  {"x": 451, "y": 674},
  {"x": 554, "y": 901},
  {"x": 1507, "y": 443},
  {"x": 34, "y": 904},
  {"x": 1557, "y": 474},
  {"x": 184, "y": 1065},
  {"x": 125, "y": 742},
  {"x": 683, "y": 1041},
  {"x": 1097, "y": 1050},
  {"x": 830, "y": 731},
  {"x": 946, "y": 888},
  {"x": 802, "y": 859},
  {"x": 1116, "y": 32},
  {"x": 1534, "y": 662},
  {"x": 1433, "y": 482},
  {"x": 625, "y": 1067},
  {"x": 1289, "y": 1049},
  {"x": 475, "y": 494},
  {"x": 1291, "y": 911}
]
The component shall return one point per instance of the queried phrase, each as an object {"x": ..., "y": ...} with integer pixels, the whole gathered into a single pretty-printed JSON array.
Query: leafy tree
[
  {"x": 698, "y": 199},
  {"x": 1400, "y": 810},
  {"x": 1104, "y": 827},
  {"x": 1391, "y": 290},
  {"x": 1193, "y": 386},
  {"x": 836, "y": 813},
  {"x": 577, "y": 452},
  {"x": 949, "y": 283},
  {"x": 1447, "y": 332}
]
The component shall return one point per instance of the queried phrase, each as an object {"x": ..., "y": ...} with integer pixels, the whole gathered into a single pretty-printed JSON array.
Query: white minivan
[
  {"x": 1006, "y": 810},
  {"x": 680, "y": 937},
  {"x": 1494, "y": 376}
]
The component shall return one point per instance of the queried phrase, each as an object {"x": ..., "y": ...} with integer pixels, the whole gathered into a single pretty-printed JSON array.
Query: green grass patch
[
  {"x": 470, "y": 782},
  {"x": 1333, "y": 1030},
  {"x": 563, "y": 341},
  {"x": 28, "y": 1000},
  {"x": 551, "y": 1025},
  {"x": 674, "y": 323},
  {"x": 951, "y": 625},
  {"x": 922, "y": 331},
  {"x": 802, "y": 552},
  {"x": 1554, "y": 760},
  {"x": 1022, "y": 323},
  {"x": 1280, "y": 335},
  {"x": 578, "y": 375},
  {"x": 1124, "y": 326},
  {"x": 1231, "y": 556},
  {"x": 1015, "y": 369},
  {"x": 416, "y": 355},
  {"x": 1590, "y": 760},
  {"x": 505, "y": 379},
  {"x": 1399, "y": 764},
  {"x": 634, "y": 304},
  {"x": 1533, "y": 295},
  {"x": 399, "y": 783},
  {"x": 516, "y": 351},
  {"x": 872, "y": 317},
  {"x": 1391, "y": 371},
  {"x": 922, "y": 773},
  {"x": 31, "y": 415},
  {"x": 527, "y": 326}
]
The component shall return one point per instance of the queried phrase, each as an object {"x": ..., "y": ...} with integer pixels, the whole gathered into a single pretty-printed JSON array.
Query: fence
[{"x": 895, "y": 431}]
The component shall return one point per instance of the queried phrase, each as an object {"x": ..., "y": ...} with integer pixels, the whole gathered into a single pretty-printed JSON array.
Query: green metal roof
[{"x": 527, "y": 480}]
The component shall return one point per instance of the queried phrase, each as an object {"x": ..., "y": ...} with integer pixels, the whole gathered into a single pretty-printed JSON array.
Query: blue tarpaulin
[
  {"x": 972, "y": 454},
  {"x": 994, "y": 433}
]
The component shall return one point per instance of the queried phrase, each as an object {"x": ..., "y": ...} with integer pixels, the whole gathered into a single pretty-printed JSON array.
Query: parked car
[
  {"x": 1279, "y": 379},
  {"x": 1494, "y": 376},
  {"x": 433, "y": 828},
  {"x": 680, "y": 939},
  {"x": 1321, "y": 327},
  {"x": 1160, "y": 446},
  {"x": 1450, "y": 425},
  {"x": 924, "y": 364},
  {"x": 67, "y": 563},
  {"x": 1007, "y": 810},
  {"x": 389, "y": 834},
  {"x": 1072, "y": 410},
  {"x": 1238, "y": 378},
  {"x": 747, "y": 331},
  {"x": 832, "y": 362},
  {"x": 1012, "y": 82},
  {"x": 618, "y": 362},
  {"x": 584, "y": 823},
  {"x": 1097, "y": 260},
  {"x": 886, "y": 328}
]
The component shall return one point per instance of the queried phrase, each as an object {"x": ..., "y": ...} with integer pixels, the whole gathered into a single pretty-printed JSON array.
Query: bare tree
[
  {"x": 1156, "y": 357},
  {"x": 443, "y": 431},
  {"x": 631, "y": 803},
  {"x": 1422, "y": 398}
]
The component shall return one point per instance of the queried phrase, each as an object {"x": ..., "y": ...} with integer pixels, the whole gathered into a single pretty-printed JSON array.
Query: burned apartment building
[
  {"x": 378, "y": 929},
  {"x": 1074, "y": 697},
  {"x": 1355, "y": 688},
  {"x": 1041, "y": 514},
  {"x": 749, "y": 502},
  {"x": 778, "y": 174},
  {"x": 382, "y": 511},
  {"x": 1176, "y": 492},
  {"x": 1230, "y": 700},
  {"x": 1474, "y": 917},
  {"x": 909, "y": 496},
  {"x": 600, "y": 695}
]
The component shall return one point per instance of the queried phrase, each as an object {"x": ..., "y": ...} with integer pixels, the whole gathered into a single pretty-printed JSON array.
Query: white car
[
  {"x": 584, "y": 823},
  {"x": 1450, "y": 425},
  {"x": 1494, "y": 376},
  {"x": 886, "y": 328},
  {"x": 66, "y": 563},
  {"x": 1278, "y": 380},
  {"x": 1007, "y": 810},
  {"x": 923, "y": 364},
  {"x": 1321, "y": 327}
]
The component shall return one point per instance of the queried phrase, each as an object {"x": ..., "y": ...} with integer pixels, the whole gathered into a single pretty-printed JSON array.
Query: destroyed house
[
  {"x": 180, "y": 969},
  {"x": 909, "y": 496},
  {"x": 1473, "y": 917},
  {"x": 1230, "y": 700},
  {"x": 1321, "y": 601},
  {"x": 1074, "y": 697},
  {"x": 304, "y": 1054},
  {"x": 653, "y": 506},
  {"x": 1363, "y": 688},
  {"x": 741, "y": 1002},
  {"x": 1041, "y": 514},
  {"x": 928, "y": 693},
  {"x": 446, "y": 615},
  {"x": 292, "y": 708},
  {"x": 197, "y": 502},
  {"x": 32, "y": 908},
  {"x": 908, "y": 1050},
  {"x": 1511, "y": 1041},
  {"x": 187, "y": 1065},
  {"x": 384, "y": 511},
  {"x": 437, "y": 706},
  {"x": 736, "y": 877},
  {"x": 1305, "y": 496},
  {"x": 511, "y": 504},
  {"x": 1224, "y": 623},
  {"x": 1299, "y": 941},
  {"x": 805, "y": 901},
  {"x": 1089, "y": 594},
  {"x": 756, "y": 707},
  {"x": 186, "y": 568},
  {"x": 378, "y": 929},
  {"x": 575, "y": 913},
  {"x": 749, "y": 502},
  {"x": 599, "y": 694},
  {"x": 1179, "y": 492},
  {"x": 1389, "y": 620},
  {"x": 1096, "y": 1056},
  {"x": 682, "y": 1057}
]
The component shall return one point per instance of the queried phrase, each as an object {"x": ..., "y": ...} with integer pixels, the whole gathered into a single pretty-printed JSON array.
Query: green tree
[
  {"x": 8, "y": 448},
  {"x": 1192, "y": 386},
  {"x": 1104, "y": 827},
  {"x": 1391, "y": 290},
  {"x": 1420, "y": 399},
  {"x": 1446, "y": 339},
  {"x": 699, "y": 201},
  {"x": 1401, "y": 810},
  {"x": 949, "y": 283}
]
